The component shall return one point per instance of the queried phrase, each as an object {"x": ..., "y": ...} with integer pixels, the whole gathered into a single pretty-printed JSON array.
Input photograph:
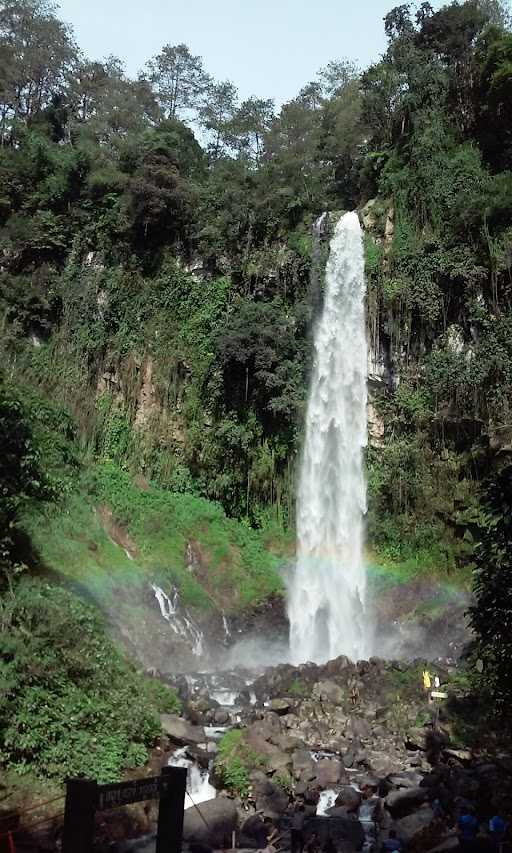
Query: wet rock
[
  {"x": 214, "y": 826},
  {"x": 349, "y": 798},
  {"x": 180, "y": 731},
  {"x": 404, "y": 801}
]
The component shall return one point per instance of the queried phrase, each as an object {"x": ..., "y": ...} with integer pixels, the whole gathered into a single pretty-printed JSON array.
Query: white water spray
[{"x": 327, "y": 593}]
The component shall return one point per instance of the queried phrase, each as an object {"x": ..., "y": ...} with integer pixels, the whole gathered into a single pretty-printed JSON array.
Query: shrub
[{"x": 71, "y": 705}]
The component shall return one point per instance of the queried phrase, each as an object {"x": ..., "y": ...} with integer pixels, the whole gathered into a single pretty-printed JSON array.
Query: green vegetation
[
  {"x": 234, "y": 762},
  {"x": 297, "y": 688},
  {"x": 70, "y": 705},
  {"x": 156, "y": 299},
  {"x": 491, "y": 613},
  {"x": 232, "y": 569}
]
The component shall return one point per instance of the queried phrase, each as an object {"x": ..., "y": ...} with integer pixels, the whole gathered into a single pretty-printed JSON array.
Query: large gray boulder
[
  {"x": 271, "y": 799},
  {"x": 181, "y": 731},
  {"x": 214, "y": 825},
  {"x": 329, "y": 691},
  {"x": 408, "y": 827},
  {"x": 303, "y": 765},
  {"x": 404, "y": 801},
  {"x": 282, "y": 707},
  {"x": 329, "y": 772}
]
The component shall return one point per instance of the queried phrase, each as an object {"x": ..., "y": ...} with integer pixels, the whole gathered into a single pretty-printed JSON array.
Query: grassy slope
[{"x": 233, "y": 568}]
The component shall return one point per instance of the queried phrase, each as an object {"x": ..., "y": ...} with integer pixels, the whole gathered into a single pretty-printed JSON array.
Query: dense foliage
[
  {"x": 70, "y": 705},
  {"x": 160, "y": 288},
  {"x": 491, "y": 614}
]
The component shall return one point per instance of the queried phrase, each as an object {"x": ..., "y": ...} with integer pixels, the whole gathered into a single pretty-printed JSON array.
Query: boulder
[
  {"x": 281, "y": 706},
  {"x": 214, "y": 826},
  {"x": 346, "y": 831},
  {"x": 329, "y": 772},
  {"x": 279, "y": 762},
  {"x": 449, "y": 842},
  {"x": 181, "y": 731},
  {"x": 407, "y": 779},
  {"x": 303, "y": 765},
  {"x": 329, "y": 691},
  {"x": 409, "y": 827},
  {"x": 221, "y": 716},
  {"x": 360, "y": 727},
  {"x": 404, "y": 801},
  {"x": 349, "y": 798},
  {"x": 253, "y": 832},
  {"x": 273, "y": 802},
  {"x": 415, "y": 739}
]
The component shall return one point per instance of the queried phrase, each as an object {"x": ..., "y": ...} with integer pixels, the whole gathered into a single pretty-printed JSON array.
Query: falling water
[{"x": 326, "y": 604}]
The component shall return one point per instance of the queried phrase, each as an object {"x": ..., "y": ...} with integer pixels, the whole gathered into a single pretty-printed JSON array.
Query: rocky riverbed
[{"x": 358, "y": 744}]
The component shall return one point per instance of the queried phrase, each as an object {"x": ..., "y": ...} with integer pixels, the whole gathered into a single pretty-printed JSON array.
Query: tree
[
  {"x": 107, "y": 103},
  {"x": 495, "y": 109},
  {"x": 178, "y": 78},
  {"x": 491, "y": 613},
  {"x": 36, "y": 54},
  {"x": 159, "y": 199},
  {"x": 336, "y": 76},
  {"x": 21, "y": 475},
  {"x": 450, "y": 35},
  {"x": 293, "y": 160},
  {"x": 250, "y": 123},
  {"x": 216, "y": 115}
]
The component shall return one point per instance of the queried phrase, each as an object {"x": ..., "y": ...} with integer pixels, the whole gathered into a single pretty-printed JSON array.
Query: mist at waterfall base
[{"x": 327, "y": 590}]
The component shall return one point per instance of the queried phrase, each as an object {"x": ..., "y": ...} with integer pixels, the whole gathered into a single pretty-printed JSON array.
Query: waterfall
[
  {"x": 180, "y": 620},
  {"x": 326, "y": 601},
  {"x": 199, "y": 789}
]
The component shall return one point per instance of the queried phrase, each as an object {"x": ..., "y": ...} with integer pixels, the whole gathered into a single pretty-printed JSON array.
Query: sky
[{"x": 268, "y": 48}]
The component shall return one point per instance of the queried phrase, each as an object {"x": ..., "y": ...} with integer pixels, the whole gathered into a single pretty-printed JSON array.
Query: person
[
  {"x": 354, "y": 696},
  {"x": 437, "y": 682},
  {"x": 392, "y": 843},
  {"x": 259, "y": 830},
  {"x": 438, "y": 810},
  {"x": 497, "y": 830},
  {"x": 298, "y": 821},
  {"x": 467, "y": 825},
  {"x": 427, "y": 683}
]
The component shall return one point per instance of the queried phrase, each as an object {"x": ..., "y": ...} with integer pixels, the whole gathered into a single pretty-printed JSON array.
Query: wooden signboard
[
  {"x": 84, "y": 797},
  {"x": 113, "y": 796}
]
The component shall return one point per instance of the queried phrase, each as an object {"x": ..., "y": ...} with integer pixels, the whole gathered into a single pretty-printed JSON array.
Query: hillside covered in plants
[{"x": 159, "y": 279}]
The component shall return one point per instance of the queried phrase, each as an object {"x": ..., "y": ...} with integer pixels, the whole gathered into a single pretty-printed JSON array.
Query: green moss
[
  {"x": 297, "y": 688},
  {"x": 234, "y": 762}
]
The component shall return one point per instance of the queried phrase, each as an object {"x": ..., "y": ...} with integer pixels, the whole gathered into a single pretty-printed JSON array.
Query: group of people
[{"x": 475, "y": 836}]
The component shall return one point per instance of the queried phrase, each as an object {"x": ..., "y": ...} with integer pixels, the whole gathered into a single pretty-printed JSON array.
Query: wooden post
[
  {"x": 81, "y": 802},
  {"x": 170, "y": 813}
]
